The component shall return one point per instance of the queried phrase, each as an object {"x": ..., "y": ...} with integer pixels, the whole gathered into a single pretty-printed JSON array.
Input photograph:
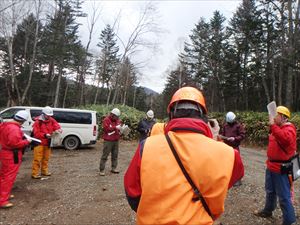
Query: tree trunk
[
  {"x": 60, "y": 71},
  {"x": 108, "y": 96},
  {"x": 65, "y": 95},
  {"x": 31, "y": 64}
]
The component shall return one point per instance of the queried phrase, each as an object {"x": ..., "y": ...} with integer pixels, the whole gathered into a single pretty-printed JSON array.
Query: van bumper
[{"x": 92, "y": 142}]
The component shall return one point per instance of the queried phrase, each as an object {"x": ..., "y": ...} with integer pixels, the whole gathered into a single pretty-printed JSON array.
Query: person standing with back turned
[
  {"x": 182, "y": 176},
  {"x": 282, "y": 146},
  {"x": 12, "y": 145},
  {"x": 43, "y": 128}
]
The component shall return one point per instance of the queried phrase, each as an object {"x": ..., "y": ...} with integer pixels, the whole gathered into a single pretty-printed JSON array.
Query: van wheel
[{"x": 71, "y": 142}]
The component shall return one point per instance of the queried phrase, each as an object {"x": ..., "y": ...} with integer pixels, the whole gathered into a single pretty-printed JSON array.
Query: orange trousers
[{"x": 41, "y": 155}]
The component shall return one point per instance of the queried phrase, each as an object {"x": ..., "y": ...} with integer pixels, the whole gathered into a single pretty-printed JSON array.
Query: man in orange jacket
[
  {"x": 12, "y": 144},
  {"x": 282, "y": 146},
  {"x": 182, "y": 176},
  {"x": 43, "y": 128}
]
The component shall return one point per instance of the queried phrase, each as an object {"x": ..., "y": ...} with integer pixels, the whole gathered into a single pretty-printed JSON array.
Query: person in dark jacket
[
  {"x": 232, "y": 134},
  {"x": 145, "y": 125},
  {"x": 111, "y": 135},
  {"x": 282, "y": 146}
]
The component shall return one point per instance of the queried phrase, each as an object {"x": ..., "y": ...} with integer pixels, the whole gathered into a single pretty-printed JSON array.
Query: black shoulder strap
[{"x": 194, "y": 187}]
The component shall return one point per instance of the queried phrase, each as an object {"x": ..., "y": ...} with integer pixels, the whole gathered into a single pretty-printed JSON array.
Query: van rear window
[{"x": 67, "y": 117}]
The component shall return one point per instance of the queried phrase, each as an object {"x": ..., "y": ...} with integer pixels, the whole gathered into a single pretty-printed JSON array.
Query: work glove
[
  {"x": 230, "y": 139},
  {"x": 118, "y": 127},
  {"x": 47, "y": 136}
]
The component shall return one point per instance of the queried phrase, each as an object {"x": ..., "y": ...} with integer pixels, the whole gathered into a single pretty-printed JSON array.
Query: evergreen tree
[
  {"x": 61, "y": 39},
  {"x": 108, "y": 61}
]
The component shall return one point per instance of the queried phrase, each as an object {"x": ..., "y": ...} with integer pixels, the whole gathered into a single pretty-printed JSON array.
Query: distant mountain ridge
[{"x": 149, "y": 91}]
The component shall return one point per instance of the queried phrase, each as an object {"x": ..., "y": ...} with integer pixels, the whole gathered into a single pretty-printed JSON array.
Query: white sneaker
[{"x": 102, "y": 173}]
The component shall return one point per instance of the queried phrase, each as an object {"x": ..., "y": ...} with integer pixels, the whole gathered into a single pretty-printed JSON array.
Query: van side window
[
  {"x": 72, "y": 117},
  {"x": 35, "y": 113},
  {"x": 8, "y": 114}
]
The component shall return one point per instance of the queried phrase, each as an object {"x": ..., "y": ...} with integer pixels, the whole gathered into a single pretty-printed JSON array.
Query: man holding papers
[
  {"x": 43, "y": 128},
  {"x": 12, "y": 145}
]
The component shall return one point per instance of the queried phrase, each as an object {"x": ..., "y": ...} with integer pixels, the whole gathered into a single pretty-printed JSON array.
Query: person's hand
[
  {"x": 271, "y": 120},
  {"x": 47, "y": 135},
  {"x": 230, "y": 139},
  {"x": 118, "y": 127}
]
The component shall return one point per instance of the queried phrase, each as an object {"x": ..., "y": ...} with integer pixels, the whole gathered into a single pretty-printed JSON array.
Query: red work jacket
[
  {"x": 110, "y": 132},
  {"x": 11, "y": 137},
  {"x": 282, "y": 145},
  {"x": 42, "y": 127}
]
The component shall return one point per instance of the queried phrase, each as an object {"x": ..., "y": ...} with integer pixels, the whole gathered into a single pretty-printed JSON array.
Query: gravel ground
[{"x": 76, "y": 194}]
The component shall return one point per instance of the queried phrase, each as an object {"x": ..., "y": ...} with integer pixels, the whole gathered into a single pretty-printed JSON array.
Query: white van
[{"x": 79, "y": 127}]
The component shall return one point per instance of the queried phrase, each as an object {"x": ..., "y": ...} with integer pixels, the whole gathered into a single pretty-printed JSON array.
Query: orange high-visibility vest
[
  {"x": 157, "y": 128},
  {"x": 166, "y": 194}
]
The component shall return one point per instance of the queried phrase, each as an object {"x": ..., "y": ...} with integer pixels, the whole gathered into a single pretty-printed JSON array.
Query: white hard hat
[
  {"x": 21, "y": 115},
  {"x": 116, "y": 112},
  {"x": 230, "y": 117},
  {"x": 150, "y": 114},
  {"x": 47, "y": 111}
]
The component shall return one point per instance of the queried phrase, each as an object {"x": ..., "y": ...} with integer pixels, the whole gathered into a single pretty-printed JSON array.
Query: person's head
[
  {"x": 21, "y": 116},
  {"x": 47, "y": 112},
  {"x": 230, "y": 117},
  {"x": 187, "y": 102},
  {"x": 150, "y": 115},
  {"x": 283, "y": 114},
  {"x": 115, "y": 113}
]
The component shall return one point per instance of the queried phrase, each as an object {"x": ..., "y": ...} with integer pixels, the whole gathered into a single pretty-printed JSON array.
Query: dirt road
[{"x": 76, "y": 194}]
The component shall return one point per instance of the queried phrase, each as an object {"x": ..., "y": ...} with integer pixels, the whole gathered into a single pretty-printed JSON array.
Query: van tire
[{"x": 71, "y": 142}]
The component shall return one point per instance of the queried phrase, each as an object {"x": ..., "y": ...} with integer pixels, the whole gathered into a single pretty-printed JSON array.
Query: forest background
[{"x": 240, "y": 64}]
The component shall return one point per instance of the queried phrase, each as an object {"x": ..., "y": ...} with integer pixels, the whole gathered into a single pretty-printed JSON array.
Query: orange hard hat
[{"x": 188, "y": 94}]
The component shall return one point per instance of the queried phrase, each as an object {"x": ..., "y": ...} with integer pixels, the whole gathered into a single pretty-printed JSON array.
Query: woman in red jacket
[{"x": 12, "y": 145}]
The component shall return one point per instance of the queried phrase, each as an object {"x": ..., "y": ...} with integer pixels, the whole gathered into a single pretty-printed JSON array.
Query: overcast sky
[{"x": 176, "y": 18}]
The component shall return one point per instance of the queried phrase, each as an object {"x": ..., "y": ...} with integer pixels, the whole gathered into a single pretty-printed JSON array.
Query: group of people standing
[
  {"x": 181, "y": 174},
  {"x": 181, "y": 170},
  {"x": 13, "y": 144}
]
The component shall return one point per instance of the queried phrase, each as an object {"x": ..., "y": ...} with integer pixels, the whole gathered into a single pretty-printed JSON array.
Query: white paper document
[
  {"x": 56, "y": 139},
  {"x": 32, "y": 138},
  {"x": 272, "y": 109},
  {"x": 125, "y": 130}
]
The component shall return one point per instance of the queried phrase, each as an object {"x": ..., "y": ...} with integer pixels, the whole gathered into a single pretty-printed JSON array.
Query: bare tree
[
  {"x": 37, "y": 4},
  {"x": 146, "y": 25},
  {"x": 91, "y": 21},
  {"x": 15, "y": 11}
]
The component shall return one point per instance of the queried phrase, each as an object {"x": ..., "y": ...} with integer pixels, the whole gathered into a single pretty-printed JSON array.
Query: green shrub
[
  {"x": 129, "y": 116},
  {"x": 255, "y": 123}
]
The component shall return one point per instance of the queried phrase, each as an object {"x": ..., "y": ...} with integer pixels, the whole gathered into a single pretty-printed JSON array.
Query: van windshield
[{"x": 8, "y": 114}]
